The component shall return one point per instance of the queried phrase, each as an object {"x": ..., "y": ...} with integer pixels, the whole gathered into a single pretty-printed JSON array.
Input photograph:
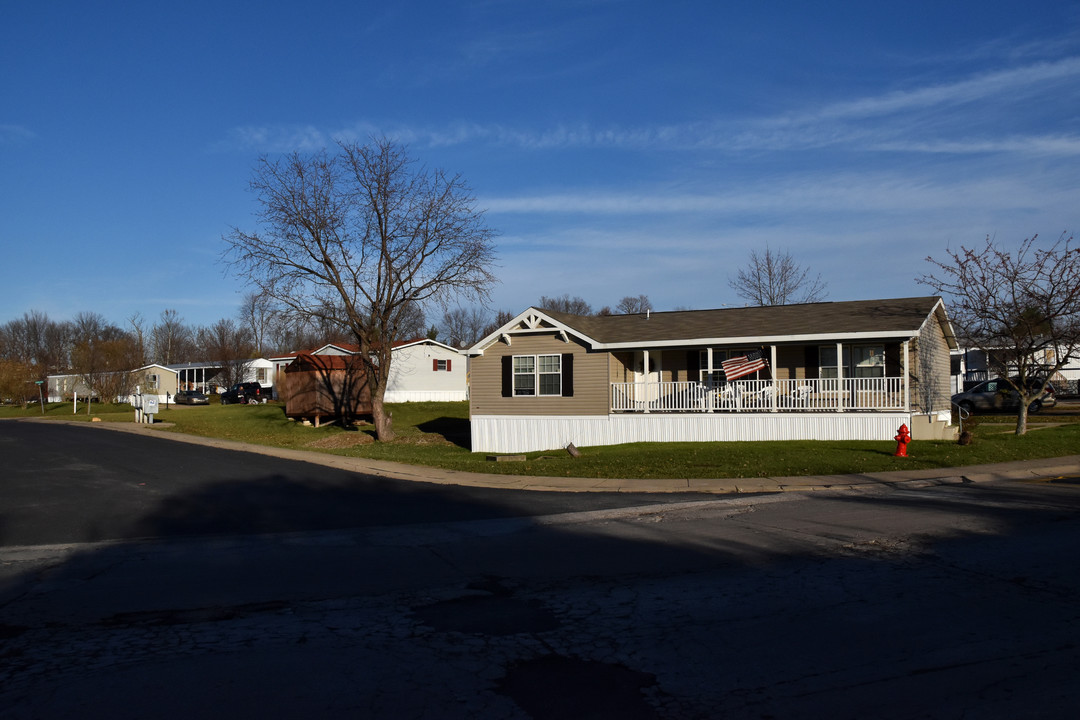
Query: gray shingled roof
[{"x": 902, "y": 316}]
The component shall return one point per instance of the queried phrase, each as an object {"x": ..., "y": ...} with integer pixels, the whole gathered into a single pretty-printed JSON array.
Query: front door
[{"x": 647, "y": 389}]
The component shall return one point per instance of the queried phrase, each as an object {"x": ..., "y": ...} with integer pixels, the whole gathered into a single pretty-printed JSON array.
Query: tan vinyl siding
[
  {"x": 591, "y": 384},
  {"x": 930, "y": 364},
  {"x": 620, "y": 367},
  {"x": 674, "y": 363},
  {"x": 790, "y": 362}
]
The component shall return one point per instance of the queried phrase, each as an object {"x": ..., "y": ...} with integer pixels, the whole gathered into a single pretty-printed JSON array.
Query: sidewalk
[{"x": 1017, "y": 470}]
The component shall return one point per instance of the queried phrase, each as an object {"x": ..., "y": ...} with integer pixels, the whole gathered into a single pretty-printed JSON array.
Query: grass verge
[{"x": 437, "y": 434}]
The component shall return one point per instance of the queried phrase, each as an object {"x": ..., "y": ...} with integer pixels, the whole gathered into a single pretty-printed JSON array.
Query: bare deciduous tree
[
  {"x": 565, "y": 303},
  {"x": 462, "y": 327},
  {"x": 229, "y": 346},
  {"x": 774, "y": 278},
  {"x": 37, "y": 342},
  {"x": 630, "y": 305},
  {"x": 171, "y": 339},
  {"x": 257, "y": 314},
  {"x": 355, "y": 236},
  {"x": 103, "y": 356},
  {"x": 501, "y": 318},
  {"x": 1022, "y": 309},
  {"x": 138, "y": 335},
  {"x": 411, "y": 322}
]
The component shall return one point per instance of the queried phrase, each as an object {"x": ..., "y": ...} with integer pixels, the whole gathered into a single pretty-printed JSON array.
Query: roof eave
[{"x": 759, "y": 339}]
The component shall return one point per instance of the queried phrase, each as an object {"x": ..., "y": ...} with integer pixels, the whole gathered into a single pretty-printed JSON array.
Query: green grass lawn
[{"x": 437, "y": 434}]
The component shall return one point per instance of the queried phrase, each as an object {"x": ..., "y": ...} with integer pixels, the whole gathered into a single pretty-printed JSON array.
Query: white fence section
[
  {"x": 517, "y": 434},
  {"x": 880, "y": 394}
]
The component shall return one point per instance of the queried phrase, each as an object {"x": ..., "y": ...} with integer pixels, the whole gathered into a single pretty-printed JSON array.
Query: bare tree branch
[
  {"x": 1022, "y": 309},
  {"x": 774, "y": 278},
  {"x": 359, "y": 239}
]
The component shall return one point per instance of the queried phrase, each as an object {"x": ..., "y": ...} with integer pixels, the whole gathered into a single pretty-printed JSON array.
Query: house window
[
  {"x": 260, "y": 375},
  {"x": 550, "y": 374},
  {"x": 827, "y": 366},
  {"x": 868, "y": 361},
  {"x": 859, "y": 361},
  {"x": 440, "y": 365},
  {"x": 537, "y": 375},
  {"x": 152, "y": 382},
  {"x": 524, "y": 375},
  {"x": 718, "y": 356}
]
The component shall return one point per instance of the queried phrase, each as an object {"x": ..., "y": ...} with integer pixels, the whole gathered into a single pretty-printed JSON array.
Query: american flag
[{"x": 738, "y": 366}]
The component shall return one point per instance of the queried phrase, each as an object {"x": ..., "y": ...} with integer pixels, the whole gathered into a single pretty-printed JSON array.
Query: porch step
[{"x": 929, "y": 427}]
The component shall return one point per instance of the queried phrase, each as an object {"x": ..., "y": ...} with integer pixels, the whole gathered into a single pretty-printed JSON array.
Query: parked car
[
  {"x": 191, "y": 397},
  {"x": 998, "y": 395},
  {"x": 248, "y": 392}
]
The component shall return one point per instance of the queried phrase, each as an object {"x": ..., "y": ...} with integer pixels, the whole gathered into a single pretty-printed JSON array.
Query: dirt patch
[
  {"x": 341, "y": 440},
  {"x": 425, "y": 439}
]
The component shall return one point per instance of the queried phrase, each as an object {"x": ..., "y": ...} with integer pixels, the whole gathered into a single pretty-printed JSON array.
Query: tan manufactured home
[{"x": 843, "y": 370}]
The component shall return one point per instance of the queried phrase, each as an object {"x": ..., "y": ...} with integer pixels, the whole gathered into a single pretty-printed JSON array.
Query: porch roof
[{"x": 810, "y": 322}]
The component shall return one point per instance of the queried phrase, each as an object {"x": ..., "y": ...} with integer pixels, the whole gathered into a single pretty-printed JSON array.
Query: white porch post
[
  {"x": 710, "y": 396},
  {"x": 839, "y": 377},
  {"x": 645, "y": 372},
  {"x": 907, "y": 378},
  {"x": 772, "y": 372}
]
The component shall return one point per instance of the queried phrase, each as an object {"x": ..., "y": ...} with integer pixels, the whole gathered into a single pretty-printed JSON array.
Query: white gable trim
[
  {"x": 427, "y": 341},
  {"x": 530, "y": 322}
]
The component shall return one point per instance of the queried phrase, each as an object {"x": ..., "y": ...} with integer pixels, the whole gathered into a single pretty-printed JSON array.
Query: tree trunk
[
  {"x": 1022, "y": 416},
  {"x": 384, "y": 421}
]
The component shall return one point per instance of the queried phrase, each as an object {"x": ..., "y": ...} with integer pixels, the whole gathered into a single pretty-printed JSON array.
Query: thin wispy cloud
[
  {"x": 845, "y": 192},
  {"x": 981, "y": 87},
  {"x": 843, "y": 123},
  {"x": 275, "y": 139}
]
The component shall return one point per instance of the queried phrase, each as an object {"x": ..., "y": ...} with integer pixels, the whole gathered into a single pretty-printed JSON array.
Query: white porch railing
[{"x": 884, "y": 394}]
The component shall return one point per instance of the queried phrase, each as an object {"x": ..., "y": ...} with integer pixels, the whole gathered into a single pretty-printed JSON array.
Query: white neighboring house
[
  {"x": 427, "y": 371},
  {"x": 206, "y": 376},
  {"x": 421, "y": 370}
]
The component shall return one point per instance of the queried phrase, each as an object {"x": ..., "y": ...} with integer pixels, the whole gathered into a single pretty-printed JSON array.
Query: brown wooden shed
[{"x": 325, "y": 387}]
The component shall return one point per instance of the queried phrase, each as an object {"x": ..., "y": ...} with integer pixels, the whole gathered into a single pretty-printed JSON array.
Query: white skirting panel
[
  {"x": 515, "y": 434},
  {"x": 402, "y": 396}
]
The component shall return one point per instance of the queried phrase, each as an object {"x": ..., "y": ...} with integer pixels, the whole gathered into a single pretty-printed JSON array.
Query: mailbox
[{"x": 150, "y": 405}]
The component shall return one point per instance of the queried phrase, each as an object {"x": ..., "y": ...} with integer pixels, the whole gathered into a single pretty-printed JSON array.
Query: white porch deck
[{"x": 888, "y": 394}]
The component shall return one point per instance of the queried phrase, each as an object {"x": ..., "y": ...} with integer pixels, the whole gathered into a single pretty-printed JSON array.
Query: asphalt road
[
  {"x": 955, "y": 601},
  {"x": 62, "y": 483}
]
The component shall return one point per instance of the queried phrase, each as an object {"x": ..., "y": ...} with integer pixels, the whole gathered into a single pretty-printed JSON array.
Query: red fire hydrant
[{"x": 902, "y": 438}]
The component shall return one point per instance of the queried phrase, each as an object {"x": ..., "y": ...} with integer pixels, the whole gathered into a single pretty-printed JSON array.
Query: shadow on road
[{"x": 407, "y": 594}]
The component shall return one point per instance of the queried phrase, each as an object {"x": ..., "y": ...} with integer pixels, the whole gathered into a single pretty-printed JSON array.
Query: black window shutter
[
  {"x": 568, "y": 375},
  {"x": 507, "y": 376}
]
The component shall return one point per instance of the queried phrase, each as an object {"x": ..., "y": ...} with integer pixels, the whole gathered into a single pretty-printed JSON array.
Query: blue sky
[{"x": 619, "y": 147}]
